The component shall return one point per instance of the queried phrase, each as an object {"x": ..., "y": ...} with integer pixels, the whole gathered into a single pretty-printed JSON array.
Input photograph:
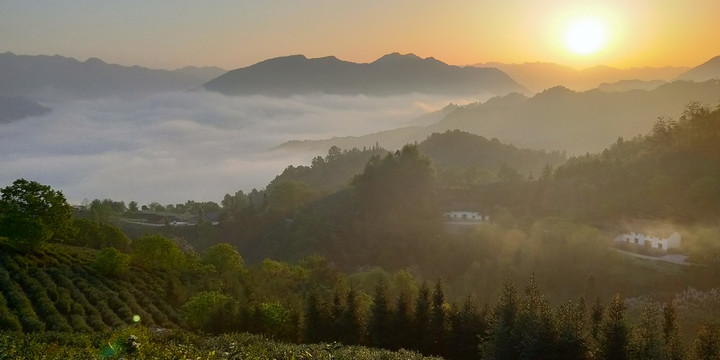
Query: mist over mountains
[
  {"x": 136, "y": 133},
  {"x": 392, "y": 74},
  {"x": 539, "y": 76},
  {"x": 555, "y": 119}
]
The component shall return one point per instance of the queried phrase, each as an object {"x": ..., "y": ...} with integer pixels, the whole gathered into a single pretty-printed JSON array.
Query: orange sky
[{"x": 231, "y": 34}]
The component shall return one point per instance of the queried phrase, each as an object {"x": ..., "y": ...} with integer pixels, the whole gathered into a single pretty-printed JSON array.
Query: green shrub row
[{"x": 22, "y": 306}]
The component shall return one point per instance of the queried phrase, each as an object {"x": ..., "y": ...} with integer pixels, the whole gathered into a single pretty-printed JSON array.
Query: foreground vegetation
[
  {"x": 137, "y": 342},
  {"x": 59, "y": 301}
]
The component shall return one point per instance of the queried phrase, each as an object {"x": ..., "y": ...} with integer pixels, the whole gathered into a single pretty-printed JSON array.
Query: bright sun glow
[{"x": 585, "y": 36}]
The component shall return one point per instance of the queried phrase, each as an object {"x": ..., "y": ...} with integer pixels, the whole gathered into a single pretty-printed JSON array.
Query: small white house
[
  {"x": 459, "y": 215},
  {"x": 653, "y": 242}
]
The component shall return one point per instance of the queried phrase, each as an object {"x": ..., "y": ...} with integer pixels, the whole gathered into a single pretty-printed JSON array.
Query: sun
[{"x": 585, "y": 36}]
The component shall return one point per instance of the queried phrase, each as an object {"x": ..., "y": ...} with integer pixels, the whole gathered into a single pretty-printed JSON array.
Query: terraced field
[{"x": 58, "y": 290}]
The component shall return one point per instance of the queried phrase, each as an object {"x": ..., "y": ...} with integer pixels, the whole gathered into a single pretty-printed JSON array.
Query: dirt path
[{"x": 671, "y": 258}]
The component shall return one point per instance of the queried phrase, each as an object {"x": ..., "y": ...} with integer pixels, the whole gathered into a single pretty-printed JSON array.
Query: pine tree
[
  {"x": 381, "y": 332},
  {"x": 501, "y": 341},
  {"x": 438, "y": 321},
  {"x": 537, "y": 334},
  {"x": 572, "y": 341},
  {"x": 351, "y": 328},
  {"x": 422, "y": 317},
  {"x": 596, "y": 316},
  {"x": 647, "y": 339},
  {"x": 313, "y": 319},
  {"x": 707, "y": 342},
  {"x": 402, "y": 321},
  {"x": 466, "y": 324},
  {"x": 671, "y": 334},
  {"x": 614, "y": 333}
]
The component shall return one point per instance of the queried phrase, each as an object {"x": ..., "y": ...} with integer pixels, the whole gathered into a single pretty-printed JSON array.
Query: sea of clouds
[{"x": 178, "y": 146}]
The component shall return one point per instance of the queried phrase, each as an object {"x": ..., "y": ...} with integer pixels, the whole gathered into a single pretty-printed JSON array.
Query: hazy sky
[{"x": 236, "y": 33}]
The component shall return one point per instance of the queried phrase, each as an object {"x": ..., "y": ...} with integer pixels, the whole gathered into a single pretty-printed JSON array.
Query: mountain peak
[
  {"x": 397, "y": 57},
  {"x": 95, "y": 61}
]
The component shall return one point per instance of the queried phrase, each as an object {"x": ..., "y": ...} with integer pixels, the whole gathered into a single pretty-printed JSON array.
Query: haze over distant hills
[
  {"x": 539, "y": 76},
  {"x": 53, "y": 78},
  {"x": 707, "y": 70},
  {"x": 555, "y": 119},
  {"x": 625, "y": 85},
  {"x": 392, "y": 74}
]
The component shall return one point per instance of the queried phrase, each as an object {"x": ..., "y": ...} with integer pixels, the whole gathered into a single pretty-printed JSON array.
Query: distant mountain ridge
[
  {"x": 53, "y": 78},
  {"x": 634, "y": 84},
  {"x": 556, "y": 119},
  {"x": 392, "y": 74},
  {"x": 539, "y": 76}
]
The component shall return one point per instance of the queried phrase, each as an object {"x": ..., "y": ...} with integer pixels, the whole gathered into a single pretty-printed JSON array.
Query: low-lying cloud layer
[{"x": 172, "y": 147}]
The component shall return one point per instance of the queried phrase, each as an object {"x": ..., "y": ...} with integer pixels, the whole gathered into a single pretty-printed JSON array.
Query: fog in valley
[{"x": 174, "y": 146}]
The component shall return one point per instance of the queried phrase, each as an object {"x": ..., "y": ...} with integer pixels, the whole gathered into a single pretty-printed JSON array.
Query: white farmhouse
[
  {"x": 649, "y": 241},
  {"x": 461, "y": 215}
]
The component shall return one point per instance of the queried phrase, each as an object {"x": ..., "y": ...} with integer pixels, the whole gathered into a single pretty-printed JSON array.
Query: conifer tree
[
  {"x": 671, "y": 334},
  {"x": 647, "y": 340},
  {"x": 313, "y": 318},
  {"x": 501, "y": 341},
  {"x": 535, "y": 326},
  {"x": 572, "y": 341},
  {"x": 467, "y": 323},
  {"x": 422, "y": 317},
  {"x": 351, "y": 328},
  {"x": 614, "y": 332},
  {"x": 402, "y": 321},
  {"x": 438, "y": 321},
  {"x": 596, "y": 316},
  {"x": 707, "y": 342},
  {"x": 381, "y": 332}
]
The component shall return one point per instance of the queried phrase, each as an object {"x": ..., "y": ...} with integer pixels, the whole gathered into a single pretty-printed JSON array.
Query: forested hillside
[
  {"x": 459, "y": 158},
  {"x": 670, "y": 174}
]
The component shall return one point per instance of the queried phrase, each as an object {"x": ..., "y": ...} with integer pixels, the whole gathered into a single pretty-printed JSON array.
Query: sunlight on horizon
[{"x": 585, "y": 36}]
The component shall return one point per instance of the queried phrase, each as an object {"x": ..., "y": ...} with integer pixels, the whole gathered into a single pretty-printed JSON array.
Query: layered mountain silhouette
[
  {"x": 705, "y": 71},
  {"x": 392, "y": 74},
  {"x": 555, "y": 119},
  {"x": 634, "y": 84},
  {"x": 15, "y": 108},
  {"x": 54, "y": 78},
  {"x": 539, "y": 76}
]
